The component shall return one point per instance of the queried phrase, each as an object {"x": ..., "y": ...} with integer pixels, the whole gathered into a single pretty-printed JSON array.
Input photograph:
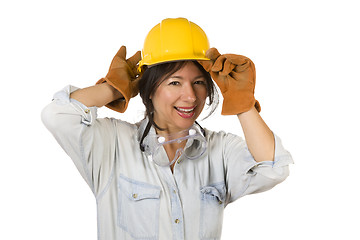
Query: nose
[{"x": 189, "y": 93}]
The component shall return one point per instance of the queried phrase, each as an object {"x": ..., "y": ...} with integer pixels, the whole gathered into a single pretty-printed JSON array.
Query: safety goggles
[{"x": 195, "y": 146}]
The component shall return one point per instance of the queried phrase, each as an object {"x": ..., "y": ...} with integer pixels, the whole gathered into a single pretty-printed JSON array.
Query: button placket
[{"x": 176, "y": 206}]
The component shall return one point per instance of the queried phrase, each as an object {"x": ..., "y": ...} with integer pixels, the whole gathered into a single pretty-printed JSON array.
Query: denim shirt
[{"x": 137, "y": 199}]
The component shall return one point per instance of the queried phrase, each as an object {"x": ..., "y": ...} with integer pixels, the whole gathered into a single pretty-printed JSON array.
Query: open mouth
[{"x": 186, "y": 112}]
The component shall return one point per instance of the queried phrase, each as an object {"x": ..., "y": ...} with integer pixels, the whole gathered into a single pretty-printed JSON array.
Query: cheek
[
  {"x": 161, "y": 95},
  {"x": 202, "y": 94},
  {"x": 162, "y": 98}
]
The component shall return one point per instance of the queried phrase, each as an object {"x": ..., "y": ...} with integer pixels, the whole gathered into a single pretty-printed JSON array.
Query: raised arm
[
  {"x": 235, "y": 76},
  {"x": 97, "y": 96},
  {"x": 259, "y": 138}
]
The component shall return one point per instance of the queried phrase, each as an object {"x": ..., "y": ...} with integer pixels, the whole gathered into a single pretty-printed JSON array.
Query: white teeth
[{"x": 185, "y": 110}]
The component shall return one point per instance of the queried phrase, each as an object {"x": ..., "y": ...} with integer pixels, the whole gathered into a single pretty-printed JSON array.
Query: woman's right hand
[{"x": 124, "y": 77}]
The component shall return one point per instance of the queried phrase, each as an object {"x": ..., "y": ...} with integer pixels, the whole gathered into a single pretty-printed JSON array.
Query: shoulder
[
  {"x": 117, "y": 125},
  {"x": 222, "y": 137}
]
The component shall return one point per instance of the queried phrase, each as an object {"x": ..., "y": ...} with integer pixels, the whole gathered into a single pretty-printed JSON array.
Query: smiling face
[{"x": 180, "y": 98}]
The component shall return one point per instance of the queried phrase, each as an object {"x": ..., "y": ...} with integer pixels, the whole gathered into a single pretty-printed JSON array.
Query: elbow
[
  {"x": 48, "y": 117},
  {"x": 281, "y": 174},
  {"x": 51, "y": 118},
  {"x": 276, "y": 174}
]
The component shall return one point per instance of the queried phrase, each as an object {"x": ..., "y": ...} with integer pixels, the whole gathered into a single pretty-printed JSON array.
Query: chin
[{"x": 185, "y": 123}]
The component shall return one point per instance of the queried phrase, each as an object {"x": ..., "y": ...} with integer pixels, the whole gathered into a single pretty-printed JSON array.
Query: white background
[{"x": 307, "y": 59}]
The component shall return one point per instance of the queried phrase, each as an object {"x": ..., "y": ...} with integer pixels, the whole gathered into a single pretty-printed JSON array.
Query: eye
[
  {"x": 174, "y": 83},
  {"x": 200, "y": 82}
]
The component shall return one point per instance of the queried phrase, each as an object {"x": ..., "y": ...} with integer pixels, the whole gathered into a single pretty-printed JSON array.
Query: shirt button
[
  {"x": 220, "y": 202},
  {"x": 134, "y": 195},
  {"x": 87, "y": 110},
  {"x": 177, "y": 221}
]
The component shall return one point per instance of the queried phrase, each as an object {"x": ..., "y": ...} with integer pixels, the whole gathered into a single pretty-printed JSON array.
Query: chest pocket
[
  {"x": 212, "y": 209},
  {"x": 138, "y": 208}
]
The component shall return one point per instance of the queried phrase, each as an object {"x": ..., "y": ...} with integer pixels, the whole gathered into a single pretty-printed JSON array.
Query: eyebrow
[{"x": 179, "y": 77}]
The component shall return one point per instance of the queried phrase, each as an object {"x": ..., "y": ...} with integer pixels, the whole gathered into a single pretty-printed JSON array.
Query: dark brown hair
[{"x": 153, "y": 77}]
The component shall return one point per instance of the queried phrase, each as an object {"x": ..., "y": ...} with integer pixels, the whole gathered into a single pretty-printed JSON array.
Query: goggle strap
[
  {"x": 146, "y": 131},
  {"x": 202, "y": 130}
]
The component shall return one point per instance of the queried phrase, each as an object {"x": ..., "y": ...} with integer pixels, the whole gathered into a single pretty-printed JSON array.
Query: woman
[{"x": 167, "y": 177}]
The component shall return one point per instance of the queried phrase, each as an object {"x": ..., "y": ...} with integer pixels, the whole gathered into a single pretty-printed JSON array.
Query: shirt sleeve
[
  {"x": 246, "y": 176},
  {"x": 90, "y": 142}
]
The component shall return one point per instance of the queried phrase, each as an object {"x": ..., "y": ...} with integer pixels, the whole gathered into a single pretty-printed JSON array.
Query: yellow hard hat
[{"x": 174, "y": 39}]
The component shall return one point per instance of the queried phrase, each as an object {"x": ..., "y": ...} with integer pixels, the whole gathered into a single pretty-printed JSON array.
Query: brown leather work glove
[
  {"x": 124, "y": 77},
  {"x": 235, "y": 76}
]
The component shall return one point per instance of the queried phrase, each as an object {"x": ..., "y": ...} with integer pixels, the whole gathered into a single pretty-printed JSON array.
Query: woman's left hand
[{"x": 235, "y": 76}]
